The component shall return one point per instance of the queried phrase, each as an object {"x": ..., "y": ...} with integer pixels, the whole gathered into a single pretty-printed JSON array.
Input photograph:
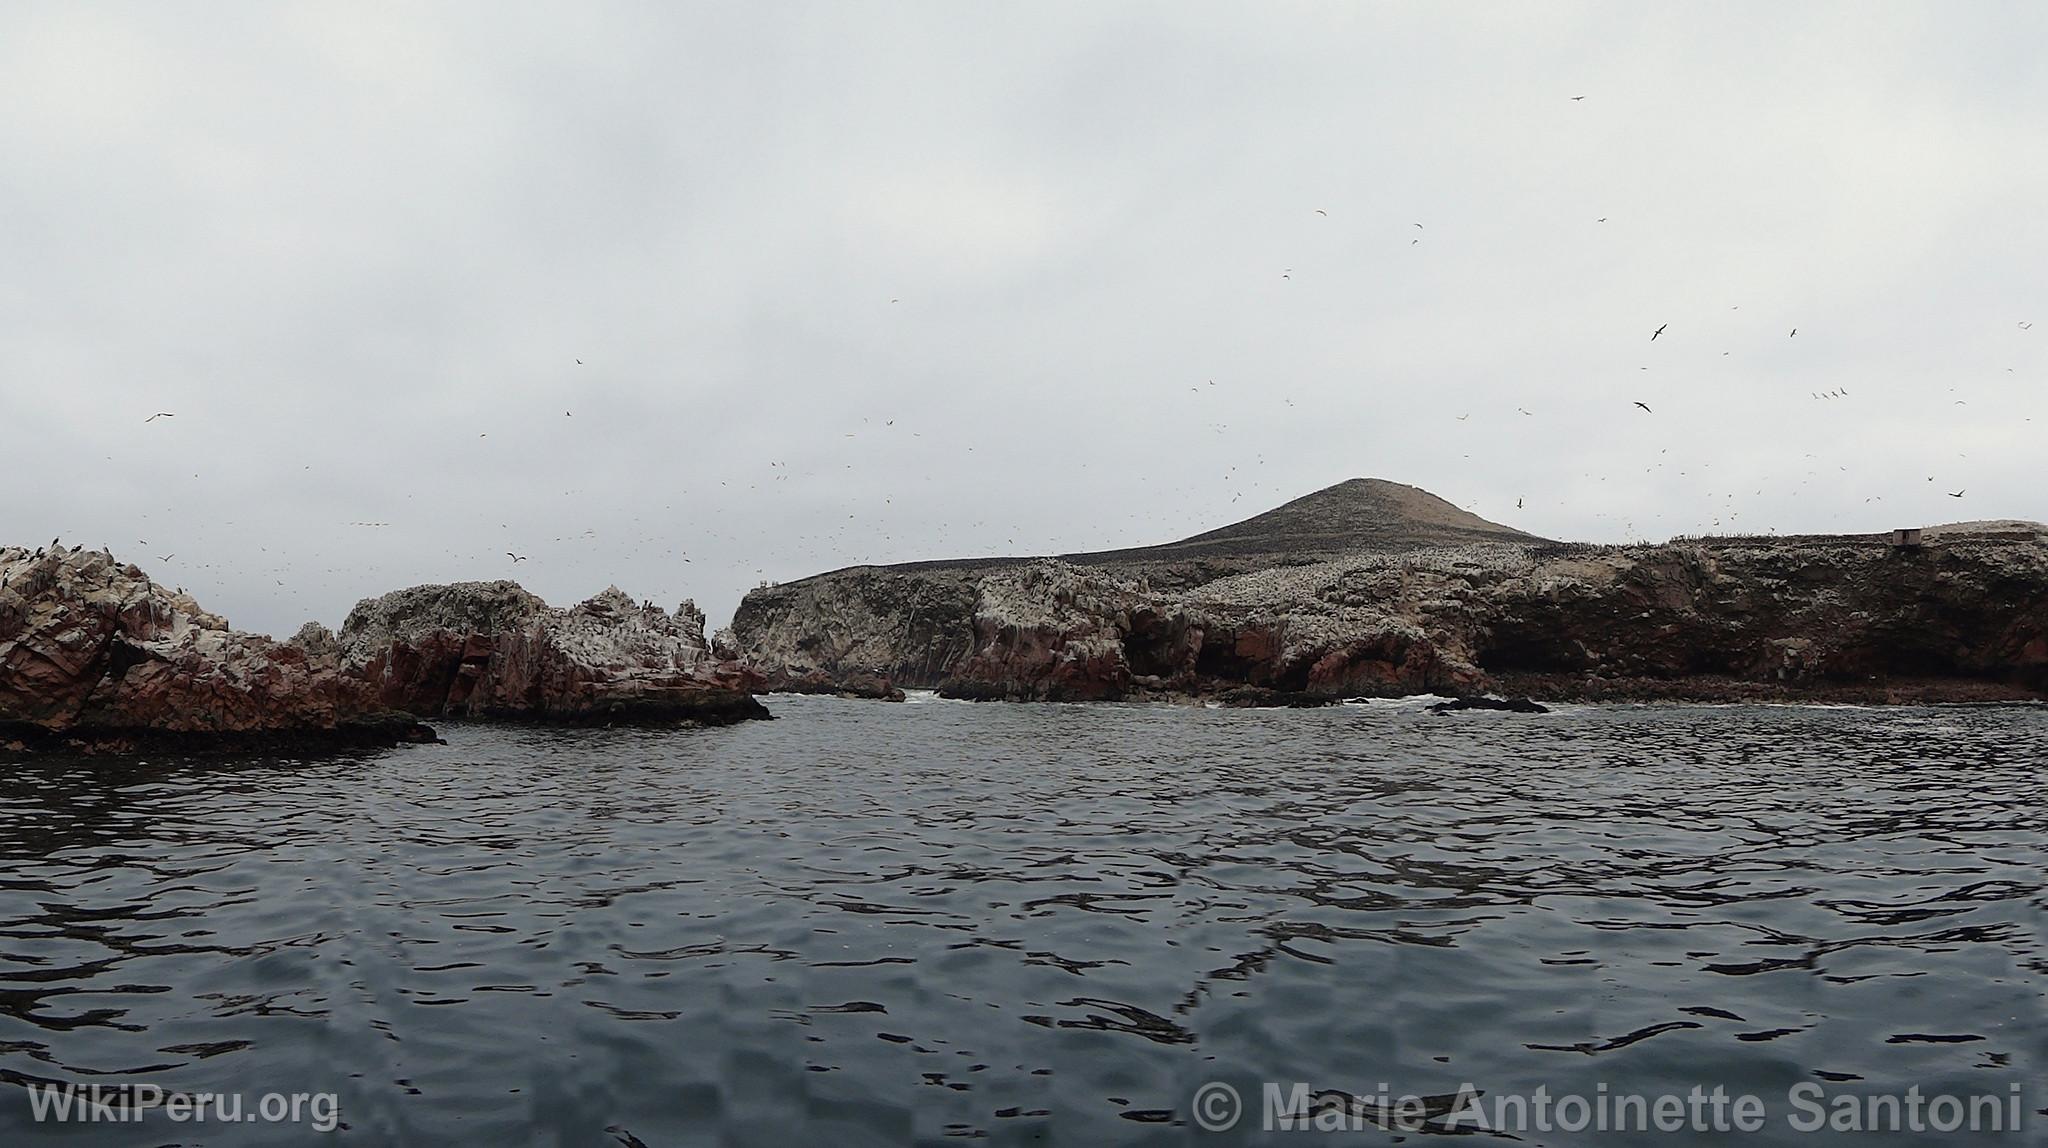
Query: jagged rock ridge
[{"x": 492, "y": 650}]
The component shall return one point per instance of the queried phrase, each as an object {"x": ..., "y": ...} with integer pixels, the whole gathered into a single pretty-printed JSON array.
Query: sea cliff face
[
  {"x": 1849, "y": 618},
  {"x": 907, "y": 627},
  {"x": 492, "y": 650},
  {"x": 97, "y": 657}
]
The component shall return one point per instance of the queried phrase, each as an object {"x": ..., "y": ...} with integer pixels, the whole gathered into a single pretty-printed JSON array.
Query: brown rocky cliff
[
  {"x": 1814, "y": 611},
  {"x": 94, "y": 655}
]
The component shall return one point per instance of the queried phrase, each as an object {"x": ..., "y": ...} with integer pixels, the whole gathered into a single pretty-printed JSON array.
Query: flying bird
[
  {"x": 515, "y": 557},
  {"x": 1956, "y": 493},
  {"x": 1795, "y": 331},
  {"x": 1657, "y": 332},
  {"x": 1321, "y": 212},
  {"x": 160, "y": 415},
  {"x": 1646, "y": 407},
  {"x": 1578, "y": 97},
  {"x": 2026, "y": 326},
  {"x": 165, "y": 557}
]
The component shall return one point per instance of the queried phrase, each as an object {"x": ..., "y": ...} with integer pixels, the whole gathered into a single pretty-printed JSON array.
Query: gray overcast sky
[{"x": 879, "y": 282}]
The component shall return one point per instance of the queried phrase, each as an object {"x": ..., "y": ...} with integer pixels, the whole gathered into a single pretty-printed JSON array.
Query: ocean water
[{"x": 913, "y": 924}]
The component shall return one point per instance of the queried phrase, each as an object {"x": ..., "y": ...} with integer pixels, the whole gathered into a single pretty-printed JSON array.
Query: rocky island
[
  {"x": 95, "y": 656},
  {"x": 1367, "y": 588},
  {"x": 1373, "y": 588}
]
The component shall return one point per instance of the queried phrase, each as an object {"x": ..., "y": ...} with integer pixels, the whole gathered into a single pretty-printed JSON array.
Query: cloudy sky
[{"x": 876, "y": 282}]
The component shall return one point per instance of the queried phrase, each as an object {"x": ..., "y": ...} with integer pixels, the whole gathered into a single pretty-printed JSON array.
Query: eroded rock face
[
  {"x": 492, "y": 650},
  {"x": 909, "y": 627},
  {"x": 94, "y": 656},
  {"x": 1048, "y": 632},
  {"x": 1848, "y": 617},
  {"x": 1055, "y": 632},
  {"x": 1807, "y": 613}
]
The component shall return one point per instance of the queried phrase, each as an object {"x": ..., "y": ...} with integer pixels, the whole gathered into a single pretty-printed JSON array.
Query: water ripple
[{"x": 902, "y": 924}]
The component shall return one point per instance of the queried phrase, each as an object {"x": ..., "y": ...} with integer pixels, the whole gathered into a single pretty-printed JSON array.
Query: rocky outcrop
[
  {"x": 492, "y": 650},
  {"x": 852, "y": 684},
  {"x": 1482, "y": 702},
  {"x": 94, "y": 656},
  {"x": 1963, "y": 616}
]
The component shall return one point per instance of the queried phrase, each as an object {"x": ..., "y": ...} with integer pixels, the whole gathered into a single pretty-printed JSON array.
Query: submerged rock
[
  {"x": 95, "y": 656},
  {"x": 873, "y": 687},
  {"x": 492, "y": 650},
  {"x": 1506, "y": 705}
]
